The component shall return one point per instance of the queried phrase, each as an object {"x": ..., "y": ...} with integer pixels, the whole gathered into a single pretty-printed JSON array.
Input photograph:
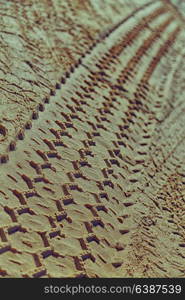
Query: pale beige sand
[{"x": 96, "y": 186}]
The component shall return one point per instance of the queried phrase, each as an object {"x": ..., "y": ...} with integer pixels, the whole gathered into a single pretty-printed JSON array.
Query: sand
[{"x": 92, "y": 139}]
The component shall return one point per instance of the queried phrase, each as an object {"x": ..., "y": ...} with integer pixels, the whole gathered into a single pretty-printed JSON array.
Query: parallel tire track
[{"x": 93, "y": 189}]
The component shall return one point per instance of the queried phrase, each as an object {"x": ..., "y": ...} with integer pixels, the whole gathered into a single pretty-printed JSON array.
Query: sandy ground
[{"x": 92, "y": 175}]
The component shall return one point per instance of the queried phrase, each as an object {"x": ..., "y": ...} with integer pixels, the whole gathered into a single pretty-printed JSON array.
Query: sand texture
[{"x": 92, "y": 138}]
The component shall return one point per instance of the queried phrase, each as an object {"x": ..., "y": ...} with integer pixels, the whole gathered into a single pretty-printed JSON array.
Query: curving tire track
[{"x": 96, "y": 186}]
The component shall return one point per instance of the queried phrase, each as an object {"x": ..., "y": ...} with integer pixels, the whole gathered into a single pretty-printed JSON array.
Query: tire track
[{"x": 77, "y": 196}]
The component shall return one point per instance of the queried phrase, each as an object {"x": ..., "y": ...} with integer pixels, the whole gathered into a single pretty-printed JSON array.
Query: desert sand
[{"x": 92, "y": 138}]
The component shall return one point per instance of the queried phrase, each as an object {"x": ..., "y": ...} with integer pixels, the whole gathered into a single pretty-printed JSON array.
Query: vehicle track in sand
[{"x": 96, "y": 186}]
